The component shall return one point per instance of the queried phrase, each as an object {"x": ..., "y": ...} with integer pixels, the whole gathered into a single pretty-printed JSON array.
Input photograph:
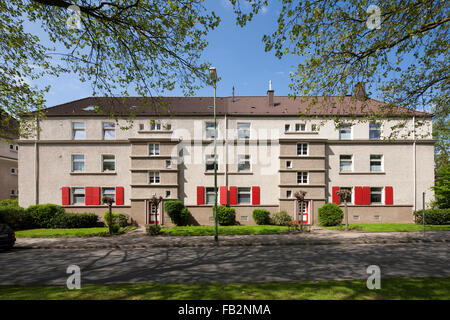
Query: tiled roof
[{"x": 241, "y": 105}]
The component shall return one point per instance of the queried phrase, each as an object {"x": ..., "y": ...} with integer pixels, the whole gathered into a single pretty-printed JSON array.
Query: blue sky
[{"x": 237, "y": 53}]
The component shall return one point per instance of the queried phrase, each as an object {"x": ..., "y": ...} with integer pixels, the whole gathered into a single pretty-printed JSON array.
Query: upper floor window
[
  {"x": 302, "y": 149},
  {"x": 108, "y": 163},
  {"x": 288, "y": 164},
  {"x": 244, "y": 162},
  {"x": 79, "y": 130},
  {"x": 109, "y": 192},
  {"x": 349, "y": 197},
  {"x": 243, "y": 130},
  {"x": 168, "y": 163},
  {"x": 77, "y": 195},
  {"x": 209, "y": 130},
  {"x": 11, "y": 147},
  {"x": 77, "y": 162},
  {"x": 345, "y": 132},
  {"x": 376, "y": 162},
  {"x": 13, "y": 170},
  {"x": 300, "y": 127},
  {"x": 243, "y": 195},
  {"x": 109, "y": 130},
  {"x": 153, "y": 177},
  {"x": 287, "y": 127},
  {"x": 141, "y": 126},
  {"x": 374, "y": 131},
  {"x": 210, "y": 162},
  {"x": 153, "y": 149},
  {"x": 346, "y": 163},
  {"x": 155, "y": 126},
  {"x": 302, "y": 177},
  {"x": 376, "y": 195}
]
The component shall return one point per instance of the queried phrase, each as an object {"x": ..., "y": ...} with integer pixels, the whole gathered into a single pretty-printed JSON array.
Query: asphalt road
[{"x": 224, "y": 264}]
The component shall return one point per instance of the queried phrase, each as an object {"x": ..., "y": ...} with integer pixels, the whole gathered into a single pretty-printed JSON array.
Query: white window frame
[
  {"x": 381, "y": 162},
  {"x": 382, "y": 200},
  {"x": 242, "y": 159},
  {"x": 109, "y": 129},
  {"x": 301, "y": 173},
  {"x": 302, "y": 149},
  {"x": 379, "y": 129},
  {"x": 209, "y": 160},
  {"x": 84, "y": 162},
  {"x": 155, "y": 126},
  {"x": 109, "y": 194},
  {"x": 72, "y": 195},
  {"x": 156, "y": 176},
  {"x": 154, "y": 149},
  {"x": 241, "y": 190},
  {"x": 300, "y": 127},
  {"x": 208, "y": 191},
  {"x": 75, "y": 130},
  {"x": 239, "y": 130},
  {"x": 351, "y": 159},
  {"x": 344, "y": 127},
  {"x": 108, "y": 160}
]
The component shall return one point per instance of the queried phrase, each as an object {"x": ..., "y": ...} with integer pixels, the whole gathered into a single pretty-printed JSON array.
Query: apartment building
[
  {"x": 265, "y": 154},
  {"x": 8, "y": 159}
]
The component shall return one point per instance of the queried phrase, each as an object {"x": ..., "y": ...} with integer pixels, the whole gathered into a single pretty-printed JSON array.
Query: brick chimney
[
  {"x": 360, "y": 91},
  {"x": 270, "y": 93}
]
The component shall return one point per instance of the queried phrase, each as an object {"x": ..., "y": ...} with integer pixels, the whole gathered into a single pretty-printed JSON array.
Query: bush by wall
[
  {"x": 42, "y": 215},
  {"x": 119, "y": 219},
  {"x": 433, "y": 216},
  {"x": 177, "y": 212},
  {"x": 330, "y": 215},
  {"x": 16, "y": 217},
  {"x": 153, "y": 229},
  {"x": 281, "y": 218},
  {"x": 9, "y": 203},
  {"x": 261, "y": 216},
  {"x": 75, "y": 220},
  {"x": 225, "y": 216}
]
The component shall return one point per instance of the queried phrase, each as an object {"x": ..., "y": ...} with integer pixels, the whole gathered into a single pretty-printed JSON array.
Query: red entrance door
[
  {"x": 305, "y": 207},
  {"x": 154, "y": 214}
]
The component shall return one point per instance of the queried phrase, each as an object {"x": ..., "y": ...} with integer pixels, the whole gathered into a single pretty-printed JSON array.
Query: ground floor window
[
  {"x": 376, "y": 195},
  {"x": 78, "y": 196},
  {"x": 243, "y": 195},
  {"x": 109, "y": 192},
  {"x": 349, "y": 197}
]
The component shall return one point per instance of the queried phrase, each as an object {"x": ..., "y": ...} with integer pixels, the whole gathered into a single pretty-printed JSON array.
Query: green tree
[
  {"x": 120, "y": 45},
  {"x": 399, "y": 48},
  {"x": 442, "y": 187}
]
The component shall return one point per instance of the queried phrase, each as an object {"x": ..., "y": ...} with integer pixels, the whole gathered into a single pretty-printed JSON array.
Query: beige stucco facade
[
  {"x": 8, "y": 170},
  {"x": 45, "y": 164}
]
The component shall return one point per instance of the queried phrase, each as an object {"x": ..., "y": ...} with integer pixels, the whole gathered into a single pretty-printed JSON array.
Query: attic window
[
  {"x": 253, "y": 107},
  {"x": 133, "y": 107},
  {"x": 210, "y": 107},
  {"x": 89, "y": 108}
]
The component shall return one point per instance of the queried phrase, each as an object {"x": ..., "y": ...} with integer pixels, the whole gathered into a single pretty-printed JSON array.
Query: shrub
[
  {"x": 281, "y": 218},
  {"x": 117, "y": 218},
  {"x": 261, "y": 216},
  {"x": 433, "y": 216},
  {"x": 153, "y": 229},
  {"x": 174, "y": 209},
  {"x": 42, "y": 215},
  {"x": 76, "y": 220},
  {"x": 9, "y": 203},
  {"x": 225, "y": 216},
  {"x": 330, "y": 215},
  {"x": 16, "y": 217}
]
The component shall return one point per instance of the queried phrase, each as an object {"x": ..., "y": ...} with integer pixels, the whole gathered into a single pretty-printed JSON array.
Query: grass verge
[
  {"x": 56, "y": 233},
  {"x": 379, "y": 227},
  {"x": 391, "y": 289},
  {"x": 223, "y": 230}
]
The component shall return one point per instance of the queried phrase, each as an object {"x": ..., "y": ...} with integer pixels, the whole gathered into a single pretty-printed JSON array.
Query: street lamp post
[{"x": 213, "y": 76}]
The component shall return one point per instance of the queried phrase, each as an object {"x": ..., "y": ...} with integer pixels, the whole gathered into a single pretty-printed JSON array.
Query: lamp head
[{"x": 213, "y": 74}]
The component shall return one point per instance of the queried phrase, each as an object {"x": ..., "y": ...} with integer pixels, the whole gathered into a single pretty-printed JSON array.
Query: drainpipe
[
  {"x": 414, "y": 162},
  {"x": 36, "y": 162},
  {"x": 226, "y": 150}
]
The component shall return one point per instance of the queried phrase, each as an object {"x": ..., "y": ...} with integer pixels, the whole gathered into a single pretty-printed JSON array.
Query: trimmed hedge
[
  {"x": 42, "y": 215},
  {"x": 261, "y": 216},
  {"x": 330, "y": 215},
  {"x": 16, "y": 217},
  {"x": 177, "y": 212},
  {"x": 281, "y": 218},
  {"x": 9, "y": 203},
  {"x": 119, "y": 219},
  {"x": 76, "y": 220},
  {"x": 225, "y": 216},
  {"x": 433, "y": 216}
]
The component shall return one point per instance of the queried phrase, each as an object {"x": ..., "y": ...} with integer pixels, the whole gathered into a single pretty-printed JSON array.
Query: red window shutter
[
  {"x": 65, "y": 196},
  {"x": 119, "y": 195},
  {"x": 92, "y": 196},
  {"x": 88, "y": 196},
  {"x": 255, "y": 195},
  {"x": 223, "y": 195},
  {"x": 200, "y": 195},
  {"x": 359, "y": 195},
  {"x": 233, "y": 195},
  {"x": 389, "y": 196},
  {"x": 334, "y": 195},
  {"x": 366, "y": 195}
]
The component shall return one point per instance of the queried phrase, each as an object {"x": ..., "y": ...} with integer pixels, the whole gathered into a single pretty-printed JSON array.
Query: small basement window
[{"x": 244, "y": 218}]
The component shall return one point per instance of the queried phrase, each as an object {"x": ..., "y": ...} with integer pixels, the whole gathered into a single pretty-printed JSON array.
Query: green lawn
[
  {"x": 391, "y": 289},
  {"x": 50, "y": 233},
  {"x": 391, "y": 227},
  {"x": 224, "y": 230}
]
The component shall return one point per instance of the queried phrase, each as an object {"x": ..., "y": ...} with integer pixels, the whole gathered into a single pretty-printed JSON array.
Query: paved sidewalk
[{"x": 138, "y": 239}]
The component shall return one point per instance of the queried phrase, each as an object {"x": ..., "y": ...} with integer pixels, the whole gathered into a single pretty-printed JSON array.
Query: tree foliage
[
  {"x": 341, "y": 43},
  {"x": 143, "y": 45}
]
